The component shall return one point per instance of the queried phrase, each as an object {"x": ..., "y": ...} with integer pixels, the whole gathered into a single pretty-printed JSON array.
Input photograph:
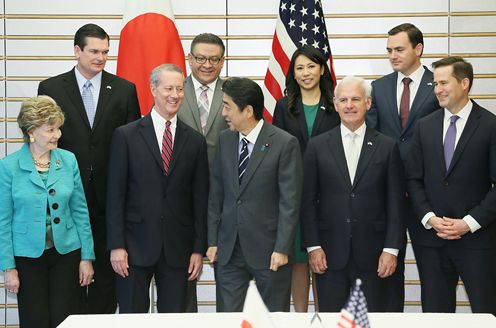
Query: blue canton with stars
[
  {"x": 357, "y": 306},
  {"x": 304, "y": 22}
]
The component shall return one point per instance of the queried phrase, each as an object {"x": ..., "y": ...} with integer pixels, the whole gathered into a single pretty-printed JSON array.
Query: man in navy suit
[
  {"x": 398, "y": 101},
  {"x": 157, "y": 201},
  {"x": 352, "y": 204},
  {"x": 451, "y": 172}
]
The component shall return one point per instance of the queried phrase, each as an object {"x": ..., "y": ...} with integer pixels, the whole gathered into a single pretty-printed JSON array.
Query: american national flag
[
  {"x": 354, "y": 314},
  {"x": 299, "y": 23}
]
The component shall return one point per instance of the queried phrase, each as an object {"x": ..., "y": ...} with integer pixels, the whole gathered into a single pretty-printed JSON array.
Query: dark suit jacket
[
  {"x": 189, "y": 114},
  {"x": 467, "y": 186},
  {"x": 262, "y": 211},
  {"x": 370, "y": 209},
  {"x": 148, "y": 211},
  {"x": 383, "y": 115},
  {"x": 117, "y": 105},
  {"x": 297, "y": 125}
]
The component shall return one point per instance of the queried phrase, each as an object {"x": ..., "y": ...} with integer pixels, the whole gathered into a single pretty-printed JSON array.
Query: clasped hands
[{"x": 448, "y": 228}]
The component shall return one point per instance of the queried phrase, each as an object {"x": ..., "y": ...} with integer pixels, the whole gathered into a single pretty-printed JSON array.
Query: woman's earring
[{"x": 31, "y": 139}]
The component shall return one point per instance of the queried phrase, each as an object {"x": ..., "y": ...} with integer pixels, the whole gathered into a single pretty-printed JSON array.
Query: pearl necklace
[{"x": 40, "y": 164}]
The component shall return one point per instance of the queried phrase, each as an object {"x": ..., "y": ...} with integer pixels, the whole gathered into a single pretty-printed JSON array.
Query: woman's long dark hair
[{"x": 293, "y": 92}]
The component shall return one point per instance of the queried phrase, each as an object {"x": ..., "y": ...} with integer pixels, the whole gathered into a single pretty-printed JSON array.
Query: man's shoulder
[
  {"x": 116, "y": 80},
  {"x": 384, "y": 80},
  {"x": 59, "y": 78}
]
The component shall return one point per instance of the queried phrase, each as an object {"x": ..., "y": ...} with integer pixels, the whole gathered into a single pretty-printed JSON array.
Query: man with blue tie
[
  {"x": 451, "y": 172},
  {"x": 399, "y": 100},
  {"x": 254, "y": 201}
]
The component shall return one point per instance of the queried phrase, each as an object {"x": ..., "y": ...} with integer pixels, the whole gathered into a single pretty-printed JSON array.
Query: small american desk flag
[
  {"x": 299, "y": 23},
  {"x": 354, "y": 314}
]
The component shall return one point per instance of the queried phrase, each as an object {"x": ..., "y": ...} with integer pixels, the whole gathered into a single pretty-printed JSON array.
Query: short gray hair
[
  {"x": 350, "y": 79},
  {"x": 157, "y": 71}
]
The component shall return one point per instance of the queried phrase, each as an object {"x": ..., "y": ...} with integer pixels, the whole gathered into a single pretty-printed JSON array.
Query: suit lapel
[
  {"x": 180, "y": 139},
  {"x": 26, "y": 163},
  {"x": 103, "y": 97},
  {"x": 302, "y": 122},
  {"x": 260, "y": 149},
  {"x": 336, "y": 150},
  {"x": 319, "y": 117},
  {"x": 233, "y": 158},
  {"x": 424, "y": 90},
  {"x": 72, "y": 90},
  {"x": 391, "y": 96},
  {"x": 368, "y": 148},
  {"x": 437, "y": 139},
  {"x": 216, "y": 105},
  {"x": 467, "y": 133},
  {"x": 55, "y": 165},
  {"x": 147, "y": 131},
  {"x": 192, "y": 102}
]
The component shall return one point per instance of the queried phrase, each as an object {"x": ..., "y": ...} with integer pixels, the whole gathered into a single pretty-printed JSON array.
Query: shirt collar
[
  {"x": 197, "y": 84},
  {"x": 415, "y": 76},
  {"x": 158, "y": 119},
  {"x": 464, "y": 113},
  {"x": 96, "y": 80},
  {"x": 253, "y": 135},
  {"x": 360, "y": 132}
]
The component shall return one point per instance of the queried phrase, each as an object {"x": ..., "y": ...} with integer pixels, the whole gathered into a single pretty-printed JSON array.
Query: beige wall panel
[
  {"x": 199, "y": 7},
  {"x": 472, "y": 5},
  {"x": 384, "y": 6},
  {"x": 260, "y": 7},
  {"x": 489, "y": 104},
  {"x": 473, "y": 45},
  {"x": 483, "y": 65},
  {"x": 13, "y": 130},
  {"x": 249, "y": 47},
  {"x": 22, "y": 88},
  {"x": 58, "y": 26},
  {"x": 197, "y": 26},
  {"x": 48, "y": 47},
  {"x": 381, "y": 25},
  {"x": 464, "y": 24},
  {"x": 45, "y": 67},
  {"x": 484, "y": 86},
  {"x": 252, "y": 26},
  {"x": 95, "y": 7}
]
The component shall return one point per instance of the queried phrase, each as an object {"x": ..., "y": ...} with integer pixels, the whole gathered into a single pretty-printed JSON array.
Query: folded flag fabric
[
  {"x": 354, "y": 313},
  {"x": 255, "y": 313}
]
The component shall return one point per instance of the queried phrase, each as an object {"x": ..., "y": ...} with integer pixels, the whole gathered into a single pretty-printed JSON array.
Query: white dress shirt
[
  {"x": 159, "y": 127},
  {"x": 416, "y": 78}
]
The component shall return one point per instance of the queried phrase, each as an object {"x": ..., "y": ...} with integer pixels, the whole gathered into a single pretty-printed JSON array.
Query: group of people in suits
[{"x": 327, "y": 190}]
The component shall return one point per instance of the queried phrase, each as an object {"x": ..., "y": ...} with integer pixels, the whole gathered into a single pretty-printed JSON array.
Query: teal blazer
[{"x": 24, "y": 200}]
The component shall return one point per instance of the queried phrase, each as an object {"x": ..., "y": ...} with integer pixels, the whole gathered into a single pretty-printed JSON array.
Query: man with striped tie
[
  {"x": 157, "y": 201},
  {"x": 254, "y": 201}
]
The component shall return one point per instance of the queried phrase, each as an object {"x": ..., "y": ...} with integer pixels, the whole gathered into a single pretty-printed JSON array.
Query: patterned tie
[
  {"x": 244, "y": 157},
  {"x": 88, "y": 102},
  {"x": 405, "y": 102},
  {"x": 203, "y": 107},
  {"x": 167, "y": 147},
  {"x": 449, "y": 141},
  {"x": 351, "y": 154}
]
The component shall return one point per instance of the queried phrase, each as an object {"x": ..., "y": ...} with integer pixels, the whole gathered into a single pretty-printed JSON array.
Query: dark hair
[
  {"x": 461, "y": 68},
  {"x": 207, "y": 38},
  {"x": 89, "y": 30},
  {"x": 245, "y": 92},
  {"x": 293, "y": 92},
  {"x": 414, "y": 34}
]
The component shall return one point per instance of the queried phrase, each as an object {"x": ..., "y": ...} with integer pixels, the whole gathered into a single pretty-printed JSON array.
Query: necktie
[
  {"x": 88, "y": 102},
  {"x": 449, "y": 141},
  {"x": 405, "y": 101},
  {"x": 203, "y": 107},
  {"x": 244, "y": 157},
  {"x": 167, "y": 147},
  {"x": 351, "y": 153}
]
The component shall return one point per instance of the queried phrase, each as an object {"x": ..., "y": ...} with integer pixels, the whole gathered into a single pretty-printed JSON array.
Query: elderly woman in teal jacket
[{"x": 46, "y": 244}]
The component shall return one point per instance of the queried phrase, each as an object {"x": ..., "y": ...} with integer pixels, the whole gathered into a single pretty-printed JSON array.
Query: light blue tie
[{"x": 88, "y": 102}]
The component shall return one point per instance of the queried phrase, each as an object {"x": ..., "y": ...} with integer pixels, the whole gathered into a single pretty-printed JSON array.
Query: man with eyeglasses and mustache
[{"x": 202, "y": 107}]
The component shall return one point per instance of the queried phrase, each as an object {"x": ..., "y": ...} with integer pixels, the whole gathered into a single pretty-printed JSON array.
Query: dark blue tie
[
  {"x": 449, "y": 141},
  {"x": 244, "y": 157}
]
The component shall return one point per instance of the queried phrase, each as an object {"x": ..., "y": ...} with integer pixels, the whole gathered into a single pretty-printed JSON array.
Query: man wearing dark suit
[
  {"x": 352, "y": 204},
  {"x": 451, "y": 173},
  {"x": 254, "y": 201},
  {"x": 109, "y": 103},
  {"x": 157, "y": 201},
  {"x": 396, "y": 107},
  {"x": 202, "y": 108}
]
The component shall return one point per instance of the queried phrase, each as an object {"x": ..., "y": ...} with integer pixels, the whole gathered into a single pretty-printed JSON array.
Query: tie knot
[
  {"x": 167, "y": 124},
  {"x": 406, "y": 81},
  {"x": 245, "y": 142},
  {"x": 454, "y": 118},
  {"x": 204, "y": 88},
  {"x": 87, "y": 84}
]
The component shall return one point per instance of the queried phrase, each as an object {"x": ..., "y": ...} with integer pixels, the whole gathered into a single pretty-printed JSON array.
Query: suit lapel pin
[
  {"x": 57, "y": 163},
  {"x": 429, "y": 84},
  {"x": 369, "y": 143},
  {"x": 322, "y": 107},
  {"x": 109, "y": 87},
  {"x": 264, "y": 146}
]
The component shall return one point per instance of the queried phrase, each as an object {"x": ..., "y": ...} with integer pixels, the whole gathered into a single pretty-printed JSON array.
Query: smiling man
[
  {"x": 352, "y": 204},
  {"x": 157, "y": 201},
  {"x": 95, "y": 103},
  {"x": 254, "y": 202}
]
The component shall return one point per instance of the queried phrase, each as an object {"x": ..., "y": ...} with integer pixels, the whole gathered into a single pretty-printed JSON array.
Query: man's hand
[
  {"x": 118, "y": 259},
  {"x": 455, "y": 230},
  {"x": 12, "y": 283},
  {"x": 212, "y": 254},
  {"x": 387, "y": 265},
  {"x": 195, "y": 266},
  {"x": 278, "y": 260},
  {"x": 317, "y": 260}
]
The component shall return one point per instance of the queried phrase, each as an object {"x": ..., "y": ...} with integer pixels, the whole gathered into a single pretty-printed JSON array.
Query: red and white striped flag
[
  {"x": 299, "y": 23},
  {"x": 148, "y": 38}
]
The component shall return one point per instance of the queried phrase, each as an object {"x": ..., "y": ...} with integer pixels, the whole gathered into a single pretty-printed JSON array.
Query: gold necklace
[{"x": 40, "y": 164}]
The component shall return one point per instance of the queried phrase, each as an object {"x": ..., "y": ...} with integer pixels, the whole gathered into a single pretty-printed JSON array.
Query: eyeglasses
[{"x": 203, "y": 59}]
